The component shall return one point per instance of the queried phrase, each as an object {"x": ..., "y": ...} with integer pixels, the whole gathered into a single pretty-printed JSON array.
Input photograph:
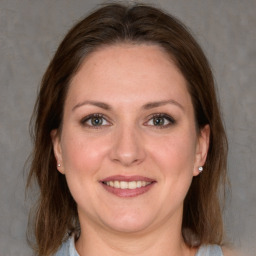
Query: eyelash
[
  {"x": 96, "y": 116},
  {"x": 170, "y": 120}
]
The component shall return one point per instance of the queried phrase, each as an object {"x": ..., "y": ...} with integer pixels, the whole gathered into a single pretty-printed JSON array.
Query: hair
[{"x": 56, "y": 212}]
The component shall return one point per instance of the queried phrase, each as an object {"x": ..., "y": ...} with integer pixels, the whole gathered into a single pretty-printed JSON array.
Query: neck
[{"x": 163, "y": 240}]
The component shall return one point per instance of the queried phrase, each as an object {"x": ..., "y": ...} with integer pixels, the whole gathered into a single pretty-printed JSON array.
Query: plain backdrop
[{"x": 30, "y": 31}]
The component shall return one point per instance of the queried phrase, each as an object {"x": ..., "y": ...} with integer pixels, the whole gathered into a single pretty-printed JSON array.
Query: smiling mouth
[{"x": 127, "y": 184}]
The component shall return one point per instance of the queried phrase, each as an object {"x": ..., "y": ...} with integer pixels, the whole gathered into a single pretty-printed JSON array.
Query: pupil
[
  {"x": 96, "y": 121},
  {"x": 158, "y": 121}
]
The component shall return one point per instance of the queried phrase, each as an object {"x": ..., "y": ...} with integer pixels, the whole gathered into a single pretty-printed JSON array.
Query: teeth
[
  {"x": 116, "y": 184},
  {"x": 127, "y": 185},
  {"x": 124, "y": 185},
  {"x": 132, "y": 185}
]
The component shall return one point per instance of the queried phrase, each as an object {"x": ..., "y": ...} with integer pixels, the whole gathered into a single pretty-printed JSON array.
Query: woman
[{"x": 127, "y": 114}]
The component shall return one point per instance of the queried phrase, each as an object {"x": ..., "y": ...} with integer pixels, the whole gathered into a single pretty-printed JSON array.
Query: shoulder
[
  {"x": 67, "y": 248},
  {"x": 216, "y": 250},
  {"x": 210, "y": 250},
  {"x": 64, "y": 249}
]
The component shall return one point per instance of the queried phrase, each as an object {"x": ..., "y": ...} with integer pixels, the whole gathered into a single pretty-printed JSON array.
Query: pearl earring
[
  {"x": 58, "y": 165},
  {"x": 200, "y": 169}
]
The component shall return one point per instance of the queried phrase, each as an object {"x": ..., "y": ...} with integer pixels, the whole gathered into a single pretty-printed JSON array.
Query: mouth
[
  {"x": 124, "y": 186},
  {"x": 127, "y": 184}
]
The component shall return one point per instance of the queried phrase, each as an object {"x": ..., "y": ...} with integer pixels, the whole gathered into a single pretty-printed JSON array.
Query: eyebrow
[
  {"x": 162, "y": 103},
  {"x": 147, "y": 106},
  {"x": 94, "y": 103}
]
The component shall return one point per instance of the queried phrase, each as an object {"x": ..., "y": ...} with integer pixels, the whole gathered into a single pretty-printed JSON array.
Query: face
[{"x": 129, "y": 147}]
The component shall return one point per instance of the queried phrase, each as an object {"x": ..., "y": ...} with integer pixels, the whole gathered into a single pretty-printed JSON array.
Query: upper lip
[{"x": 127, "y": 178}]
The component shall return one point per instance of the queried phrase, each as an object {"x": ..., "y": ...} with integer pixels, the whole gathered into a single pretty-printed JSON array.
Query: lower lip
[{"x": 128, "y": 192}]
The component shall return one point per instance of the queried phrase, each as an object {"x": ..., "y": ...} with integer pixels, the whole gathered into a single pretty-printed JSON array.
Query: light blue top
[
  {"x": 209, "y": 250},
  {"x": 68, "y": 249}
]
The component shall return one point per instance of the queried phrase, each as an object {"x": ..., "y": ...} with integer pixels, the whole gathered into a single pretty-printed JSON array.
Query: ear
[
  {"x": 202, "y": 148},
  {"x": 57, "y": 150}
]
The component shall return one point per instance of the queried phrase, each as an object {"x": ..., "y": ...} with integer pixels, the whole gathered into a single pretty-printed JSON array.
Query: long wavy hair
[{"x": 55, "y": 214}]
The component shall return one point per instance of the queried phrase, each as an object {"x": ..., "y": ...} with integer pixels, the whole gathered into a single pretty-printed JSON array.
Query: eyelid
[
  {"x": 97, "y": 115},
  {"x": 168, "y": 117}
]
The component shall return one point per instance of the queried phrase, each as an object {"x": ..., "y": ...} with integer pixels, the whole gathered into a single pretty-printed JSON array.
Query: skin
[{"x": 130, "y": 141}]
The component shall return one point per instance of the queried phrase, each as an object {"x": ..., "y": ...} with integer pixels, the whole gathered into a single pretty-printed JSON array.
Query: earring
[
  {"x": 200, "y": 169},
  {"x": 58, "y": 165}
]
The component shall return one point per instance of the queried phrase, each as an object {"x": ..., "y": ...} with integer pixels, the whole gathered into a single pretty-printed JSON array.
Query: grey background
[{"x": 29, "y": 34}]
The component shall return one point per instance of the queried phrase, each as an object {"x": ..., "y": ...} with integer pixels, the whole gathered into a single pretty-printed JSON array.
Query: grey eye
[
  {"x": 157, "y": 121},
  {"x": 160, "y": 120},
  {"x": 96, "y": 121}
]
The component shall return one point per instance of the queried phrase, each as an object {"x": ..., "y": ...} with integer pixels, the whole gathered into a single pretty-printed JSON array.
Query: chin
[{"x": 128, "y": 224}]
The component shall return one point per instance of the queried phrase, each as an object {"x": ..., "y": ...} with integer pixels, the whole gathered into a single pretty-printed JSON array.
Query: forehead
[
  {"x": 128, "y": 71},
  {"x": 127, "y": 56}
]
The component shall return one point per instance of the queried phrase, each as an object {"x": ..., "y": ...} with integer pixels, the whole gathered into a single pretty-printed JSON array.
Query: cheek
[
  {"x": 175, "y": 154},
  {"x": 82, "y": 160},
  {"x": 82, "y": 154}
]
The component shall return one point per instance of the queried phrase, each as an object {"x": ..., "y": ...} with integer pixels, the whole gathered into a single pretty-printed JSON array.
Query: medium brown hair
[{"x": 56, "y": 212}]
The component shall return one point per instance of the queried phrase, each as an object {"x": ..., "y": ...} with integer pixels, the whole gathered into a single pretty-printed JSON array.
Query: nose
[{"x": 127, "y": 148}]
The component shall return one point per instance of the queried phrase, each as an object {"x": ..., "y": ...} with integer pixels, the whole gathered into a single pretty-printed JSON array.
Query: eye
[
  {"x": 160, "y": 120},
  {"x": 95, "y": 120}
]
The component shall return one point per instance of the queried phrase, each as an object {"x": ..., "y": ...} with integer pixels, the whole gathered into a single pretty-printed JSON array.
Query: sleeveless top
[{"x": 68, "y": 249}]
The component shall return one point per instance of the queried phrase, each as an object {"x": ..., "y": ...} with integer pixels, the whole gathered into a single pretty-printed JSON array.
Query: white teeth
[
  {"x": 132, "y": 185},
  {"x": 124, "y": 185},
  {"x": 127, "y": 185},
  {"x": 116, "y": 184}
]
